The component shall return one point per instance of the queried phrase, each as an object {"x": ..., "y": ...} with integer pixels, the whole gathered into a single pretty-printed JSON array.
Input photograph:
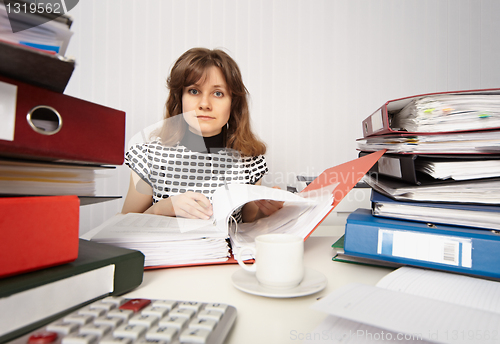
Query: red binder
[
  {"x": 379, "y": 122},
  {"x": 54, "y": 126},
  {"x": 37, "y": 232}
]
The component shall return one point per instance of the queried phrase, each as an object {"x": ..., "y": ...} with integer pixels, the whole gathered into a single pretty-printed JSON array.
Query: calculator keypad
[{"x": 115, "y": 320}]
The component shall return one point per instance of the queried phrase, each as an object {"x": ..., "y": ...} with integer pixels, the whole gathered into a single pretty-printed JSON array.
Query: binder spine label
[
  {"x": 390, "y": 167},
  {"x": 426, "y": 247},
  {"x": 377, "y": 121},
  {"x": 8, "y": 100}
]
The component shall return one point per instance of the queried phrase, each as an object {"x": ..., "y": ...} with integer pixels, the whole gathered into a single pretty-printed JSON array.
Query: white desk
[{"x": 260, "y": 319}]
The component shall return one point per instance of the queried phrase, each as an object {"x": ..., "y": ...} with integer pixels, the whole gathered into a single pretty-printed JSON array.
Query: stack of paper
[
  {"x": 27, "y": 25},
  {"x": 455, "y": 143},
  {"x": 19, "y": 177},
  {"x": 470, "y": 215},
  {"x": 460, "y": 170},
  {"x": 412, "y": 306},
  {"x": 449, "y": 112},
  {"x": 170, "y": 241},
  {"x": 481, "y": 191},
  {"x": 34, "y": 37},
  {"x": 441, "y": 176},
  {"x": 165, "y": 240}
]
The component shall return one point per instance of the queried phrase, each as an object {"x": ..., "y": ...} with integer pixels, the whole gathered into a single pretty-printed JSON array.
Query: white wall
[{"x": 315, "y": 69}]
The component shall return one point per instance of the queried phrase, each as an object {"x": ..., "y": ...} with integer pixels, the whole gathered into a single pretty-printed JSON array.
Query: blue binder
[{"x": 463, "y": 250}]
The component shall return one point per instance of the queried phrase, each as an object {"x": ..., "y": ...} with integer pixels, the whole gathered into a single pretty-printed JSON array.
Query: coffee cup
[{"x": 279, "y": 260}]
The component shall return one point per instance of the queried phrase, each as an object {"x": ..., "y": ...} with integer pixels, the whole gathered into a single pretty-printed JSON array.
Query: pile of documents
[
  {"x": 436, "y": 191},
  {"x": 34, "y": 38},
  {"x": 165, "y": 241},
  {"x": 24, "y": 25},
  {"x": 174, "y": 241},
  {"x": 26, "y": 177},
  {"x": 465, "y": 122},
  {"x": 411, "y": 306}
]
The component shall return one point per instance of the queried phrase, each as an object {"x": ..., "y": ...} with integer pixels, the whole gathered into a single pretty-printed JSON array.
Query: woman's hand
[
  {"x": 267, "y": 207},
  {"x": 255, "y": 210},
  {"x": 191, "y": 205}
]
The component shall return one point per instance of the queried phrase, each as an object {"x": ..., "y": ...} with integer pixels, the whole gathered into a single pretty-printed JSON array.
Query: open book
[
  {"x": 170, "y": 241},
  {"x": 412, "y": 305}
]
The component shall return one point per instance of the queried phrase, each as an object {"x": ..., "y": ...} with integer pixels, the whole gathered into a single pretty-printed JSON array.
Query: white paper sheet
[{"x": 434, "y": 306}]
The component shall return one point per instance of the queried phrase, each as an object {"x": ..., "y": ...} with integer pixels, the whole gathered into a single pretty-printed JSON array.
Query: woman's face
[{"x": 206, "y": 105}]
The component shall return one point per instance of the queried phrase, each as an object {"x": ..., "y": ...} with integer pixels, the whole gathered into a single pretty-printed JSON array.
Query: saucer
[{"x": 313, "y": 282}]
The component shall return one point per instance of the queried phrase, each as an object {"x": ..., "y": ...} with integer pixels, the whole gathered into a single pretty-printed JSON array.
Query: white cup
[{"x": 279, "y": 260}]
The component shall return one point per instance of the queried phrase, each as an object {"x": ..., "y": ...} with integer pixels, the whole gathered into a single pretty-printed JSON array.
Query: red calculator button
[
  {"x": 135, "y": 304},
  {"x": 45, "y": 337}
]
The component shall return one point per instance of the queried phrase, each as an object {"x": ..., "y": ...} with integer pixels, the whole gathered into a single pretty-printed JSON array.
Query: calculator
[{"x": 118, "y": 320}]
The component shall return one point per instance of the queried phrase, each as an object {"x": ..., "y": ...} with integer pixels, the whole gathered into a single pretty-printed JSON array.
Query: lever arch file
[
  {"x": 457, "y": 249},
  {"x": 54, "y": 126},
  {"x": 37, "y": 232},
  {"x": 385, "y": 120}
]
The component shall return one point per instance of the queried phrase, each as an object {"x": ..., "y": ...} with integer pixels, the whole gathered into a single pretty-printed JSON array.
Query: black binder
[{"x": 35, "y": 67}]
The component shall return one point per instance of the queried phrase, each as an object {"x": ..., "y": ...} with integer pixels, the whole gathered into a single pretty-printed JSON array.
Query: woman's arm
[
  {"x": 135, "y": 201},
  {"x": 255, "y": 210},
  {"x": 189, "y": 205}
]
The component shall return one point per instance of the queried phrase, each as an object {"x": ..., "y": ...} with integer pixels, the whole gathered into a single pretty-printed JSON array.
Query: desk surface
[{"x": 260, "y": 319}]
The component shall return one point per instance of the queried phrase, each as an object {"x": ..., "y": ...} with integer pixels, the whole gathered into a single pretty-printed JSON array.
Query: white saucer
[{"x": 313, "y": 282}]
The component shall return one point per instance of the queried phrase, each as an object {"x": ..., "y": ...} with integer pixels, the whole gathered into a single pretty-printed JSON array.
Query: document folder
[
  {"x": 442, "y": 247},
  {"x": 37, "y": 232},
  {"x": 412, "y": 168},
  {"x": 54, "y": 126},
  {"x": 480, "y": 216},
  {"x": 381, "y": 121}
]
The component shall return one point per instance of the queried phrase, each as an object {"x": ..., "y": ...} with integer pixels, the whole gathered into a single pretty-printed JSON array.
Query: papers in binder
[
  {"x": 50, "y": 36},
  {"x": 24, "y": 177},
  {"x": 449, "y": 112},
  {"x": 301, "y": 214},
  {"x": 471, "y": 215},
  {"x": 176, "y": 241},
  {"x": 481, "y": 191},
  {"x": 444, "y": 112},
  {"x": 453, "y": 143},
  {"x": 460, "y": 169}
]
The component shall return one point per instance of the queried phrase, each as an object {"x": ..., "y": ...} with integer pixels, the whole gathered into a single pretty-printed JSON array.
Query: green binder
[{"x": 128, "y": 274}]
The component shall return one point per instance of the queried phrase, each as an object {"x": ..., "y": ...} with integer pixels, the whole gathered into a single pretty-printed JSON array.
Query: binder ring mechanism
[{"x": 44, "y": 120}]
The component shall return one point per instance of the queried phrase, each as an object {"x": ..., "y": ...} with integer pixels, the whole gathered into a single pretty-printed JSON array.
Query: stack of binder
[
  {"x": 33, "y": 45},
  {"x": 50, "y": 143},
  {"x": 436, "y": 191},
  {"x": 51, "y": 146}
]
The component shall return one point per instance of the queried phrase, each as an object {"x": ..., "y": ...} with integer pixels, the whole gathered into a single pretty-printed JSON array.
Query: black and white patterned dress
[{"x": 172, "y": 170}]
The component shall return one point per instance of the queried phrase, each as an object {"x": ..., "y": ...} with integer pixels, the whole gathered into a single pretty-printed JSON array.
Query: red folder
[
  {"x": 37, "y": 232},
  {"x": 77, "y": 130},
  {"x": 347, "y": 175},
  {"x": 379, "y": 122}
]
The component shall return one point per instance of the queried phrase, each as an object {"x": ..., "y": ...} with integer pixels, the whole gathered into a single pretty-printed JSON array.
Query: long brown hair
[{"x": 187, "y": 70}]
